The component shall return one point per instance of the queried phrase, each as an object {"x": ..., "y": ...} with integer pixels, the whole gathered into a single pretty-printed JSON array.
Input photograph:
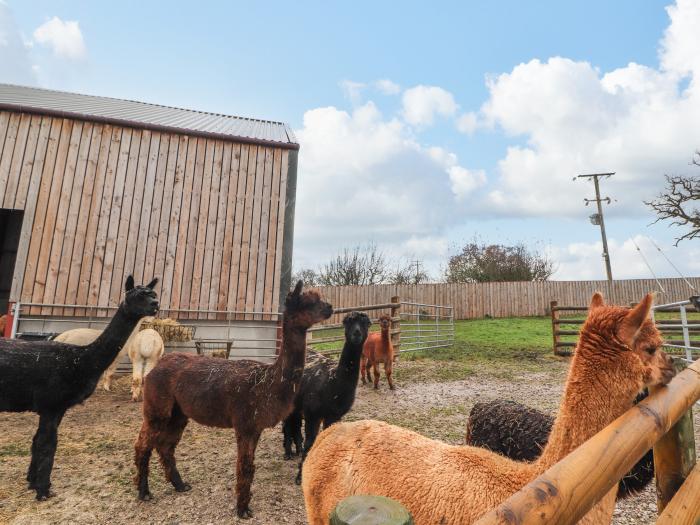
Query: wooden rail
[{"x": 569, "y": 489}]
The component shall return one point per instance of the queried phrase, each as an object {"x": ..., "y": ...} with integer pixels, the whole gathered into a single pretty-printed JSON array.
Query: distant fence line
[{"x": 510, "y": 299}]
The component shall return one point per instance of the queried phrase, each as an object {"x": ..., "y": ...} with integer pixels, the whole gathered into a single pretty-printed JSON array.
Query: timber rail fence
[
  {"x": 566, "y": 491},
  {"x": 510, "y": 299}
]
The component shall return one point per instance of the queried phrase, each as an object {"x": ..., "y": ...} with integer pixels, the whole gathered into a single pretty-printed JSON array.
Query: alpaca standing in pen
[
  {"x": 48, "y": 377},
  {"x": 618, "y": 354}
]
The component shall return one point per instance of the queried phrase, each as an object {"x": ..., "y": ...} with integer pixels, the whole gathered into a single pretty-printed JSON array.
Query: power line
[
  {"x": 597, "y": 218},
  {"x": 648, "y": 266},
  {"x": 674, "y": 266}
]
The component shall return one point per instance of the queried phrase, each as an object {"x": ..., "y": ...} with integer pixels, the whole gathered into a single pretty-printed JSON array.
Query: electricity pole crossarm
[{"x": 600, "y": 219}]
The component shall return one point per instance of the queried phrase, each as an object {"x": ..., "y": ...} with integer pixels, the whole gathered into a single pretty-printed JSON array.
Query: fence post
[
  {"x": 555, "y": 326},
  {"x": 370, "y": 510},
  {"x": 674, "y": 454},
  {"x": 396, "y": 325}
]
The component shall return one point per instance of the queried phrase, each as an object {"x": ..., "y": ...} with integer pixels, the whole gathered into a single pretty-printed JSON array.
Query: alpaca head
[
  {"x": 305, "y": 309},
  {"x": 356, "y": 327},
  {"x": 625, "y": 346},
  {"x": 385, "y": 322},
  {"x": 140, "y": 301}
]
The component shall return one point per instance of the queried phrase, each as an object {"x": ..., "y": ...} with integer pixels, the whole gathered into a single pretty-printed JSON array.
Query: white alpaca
[
  {"x": 144, "y": 350},
  {"x": 85, "y": 336}
]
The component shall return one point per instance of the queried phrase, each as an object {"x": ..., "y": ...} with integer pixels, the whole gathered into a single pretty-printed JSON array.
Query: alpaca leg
[
  {"x": 245, "y": 470},
  {"x": 107, "y": 376},
  {"x": 292, "y": 434},
  {"x": 312, "y": 424},
  {"x": 368, "y": 371},
  {"x": 137, "y": 375},
  {"x": 142, "y": 457},
  {"x": 375, "y": 368},
  {"x": 46, "y": 450},
  {"x": 363, "y": 369},
  {"x": 388, "y": 370},
  {"x": 167, "y": 442},
  {"x": 31, "y": 473}
]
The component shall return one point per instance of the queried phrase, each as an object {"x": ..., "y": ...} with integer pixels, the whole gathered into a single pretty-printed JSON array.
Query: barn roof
[{"x": 145, "y": 115}]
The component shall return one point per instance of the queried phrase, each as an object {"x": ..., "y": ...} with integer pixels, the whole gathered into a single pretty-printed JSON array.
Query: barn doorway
[{"x": 10, "y": 228}]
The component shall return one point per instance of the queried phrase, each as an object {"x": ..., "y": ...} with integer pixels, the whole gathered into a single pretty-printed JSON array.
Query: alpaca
[
  {"x": 327, "y": 390},
  {"x": 378, "y": 349},
  {"x": 48, "y": 377},
  {"x": 520, "y": 432},
  {"x": 144, "y": 349},
  {"x": 3, "y": 323},
  {"x": 245, "y": 395},
  {"x": 616, "y": 356},
  {"x": 85, "y": 336}
]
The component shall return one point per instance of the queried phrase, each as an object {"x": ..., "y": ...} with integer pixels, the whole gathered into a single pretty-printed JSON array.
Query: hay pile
[{"x": 170, "y": 330}]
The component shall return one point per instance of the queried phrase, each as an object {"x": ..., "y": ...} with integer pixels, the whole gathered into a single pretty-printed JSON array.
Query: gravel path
[{"x": 92, "y": 476}]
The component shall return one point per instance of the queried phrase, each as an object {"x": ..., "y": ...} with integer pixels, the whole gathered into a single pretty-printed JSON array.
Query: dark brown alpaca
[{"x": 247, "y": 396}]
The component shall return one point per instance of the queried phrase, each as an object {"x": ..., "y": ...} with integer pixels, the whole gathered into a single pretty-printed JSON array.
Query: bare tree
[
  {"x": 495, "y": 262},
  {"x": 680, "y": 202},
  {"x": 355, "y": 266},
  {"x": 409, "y": 273},
  {"x": 308, "y": 275}
]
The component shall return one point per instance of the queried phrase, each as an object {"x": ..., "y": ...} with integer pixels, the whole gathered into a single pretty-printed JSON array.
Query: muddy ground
[{"x": 93, "y": 472}]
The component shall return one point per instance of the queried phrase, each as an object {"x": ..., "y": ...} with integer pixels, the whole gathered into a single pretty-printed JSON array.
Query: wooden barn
[{"x": 93, "y": 189}]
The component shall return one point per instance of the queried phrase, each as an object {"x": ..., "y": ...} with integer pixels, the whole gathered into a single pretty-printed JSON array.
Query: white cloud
[
  {"x": 465, "y": 181},
  {"x": 572, "y": 118},
  {"x": 353, "y": 90},
  {"x": 16, "y": 65},
  {"x": 64, "y": 38},
  {"x": 584, "y": 261},
  {"x": 387, "y": 87},
  {"x": 467, "y": 123},
  {"x": 369, "y": 180},
  {"x": 422, "y": 103}
]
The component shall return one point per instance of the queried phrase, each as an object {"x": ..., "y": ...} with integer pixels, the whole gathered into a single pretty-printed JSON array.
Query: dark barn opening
[{"x": 10, "y": 229}]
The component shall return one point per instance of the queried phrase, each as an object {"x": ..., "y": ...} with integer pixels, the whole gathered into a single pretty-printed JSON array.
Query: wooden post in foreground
[
  {"x": 395, "y": 325},
  {"x": 555, "y": 325},
  {"x": 370, "y": 510},
  {"x": 674, "y": 454},
  {"x": 684, "y": 508},
  {"x": 567, "y": 491}
]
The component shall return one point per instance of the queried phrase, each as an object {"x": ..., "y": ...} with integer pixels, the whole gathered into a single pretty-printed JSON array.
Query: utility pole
[
  {"x": 597, "y": 219},
  {"x": 417, "y": 263}
]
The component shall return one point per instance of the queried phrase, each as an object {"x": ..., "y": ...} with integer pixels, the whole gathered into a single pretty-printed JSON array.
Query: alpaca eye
[{"x": 650, "y": 350}]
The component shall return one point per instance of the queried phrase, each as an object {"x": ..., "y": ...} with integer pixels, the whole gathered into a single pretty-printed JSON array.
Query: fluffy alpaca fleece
[
  {"x": 378, "y": 349},
  {"x": 245, "y": 395},
  {"x": 85, "y": 336},
  {"x": 145, "y": 349},
  {"x": 3, "y": 323},
  {"x": 617, "y": 355}
]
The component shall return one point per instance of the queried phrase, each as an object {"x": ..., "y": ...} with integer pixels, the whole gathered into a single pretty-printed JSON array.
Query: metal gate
[
  {"x": 426, "y": 326},
  {"x": 681, "y": 335}
]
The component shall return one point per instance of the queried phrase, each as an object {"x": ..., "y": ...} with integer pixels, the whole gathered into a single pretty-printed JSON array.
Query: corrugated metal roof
[{"x": 142, "y": 114}]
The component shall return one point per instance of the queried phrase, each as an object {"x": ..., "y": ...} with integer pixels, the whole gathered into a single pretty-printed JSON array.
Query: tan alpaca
[
  {"x": 145, "y": 349},
  {"x": 85, "y": 336},
  {"x": 617, "y": 355}
]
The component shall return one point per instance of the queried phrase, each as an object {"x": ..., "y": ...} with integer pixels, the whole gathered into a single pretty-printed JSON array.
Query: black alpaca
[
  {"x": 48, "y": 377},
  {"x": 327, "y": 391}
]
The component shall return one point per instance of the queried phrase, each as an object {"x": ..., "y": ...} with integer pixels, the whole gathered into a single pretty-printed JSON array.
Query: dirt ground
[{"x": 93, "y": 471}]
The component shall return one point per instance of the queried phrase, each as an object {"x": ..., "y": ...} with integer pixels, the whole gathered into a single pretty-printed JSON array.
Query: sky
[{"x": 421, "y": 127}]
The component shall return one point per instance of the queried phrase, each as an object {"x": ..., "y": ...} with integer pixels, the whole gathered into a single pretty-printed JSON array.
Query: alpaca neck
[
  {"x": 385, "y": 336},
  {"x": 595, "y": 395},
  {"x": 349, "y": 362},
  {"x": 290, "y": 362},
  {"x": 101, "y": 352}
]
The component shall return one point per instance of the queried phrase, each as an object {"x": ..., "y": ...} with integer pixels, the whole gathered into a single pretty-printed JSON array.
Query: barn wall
[{"x": 101, "y": 201}]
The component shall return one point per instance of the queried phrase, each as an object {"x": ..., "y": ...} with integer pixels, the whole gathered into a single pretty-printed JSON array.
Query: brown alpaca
[
  {"x": 3, "y": 322},
  {"x": 617, "y": 355},
  {"x": 247, "y": 396},
  {"x": 378, "y": 349}
]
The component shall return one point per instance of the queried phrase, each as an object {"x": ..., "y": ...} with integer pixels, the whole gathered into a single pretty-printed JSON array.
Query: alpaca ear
[
  {"x": 596, "y": 301},
  {"x": 153, "y": 283},
  {"x": 635, "y": 318},
  {"x": 298, "y": 287},
  {"x": 129, "y": 284}
]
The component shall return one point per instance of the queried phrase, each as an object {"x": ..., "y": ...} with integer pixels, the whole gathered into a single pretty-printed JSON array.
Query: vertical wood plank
[
  {"x": 246, "y": 234},
  {"x": 229, "y": 227},
  {"x": 201, "y": 234},
  {"x": 187, "y": 298},
  {"x": 25, "y": 168},
  {"x": 169, "y": 278},
  {"x": 149, "y": 269},
  {"x": 65, "y": 263},
  {"x": 261, "y": 277},
  {"x": 13, "y": 131},
  {"x": 255, "y": 231},
  {"x": 270, "y": 291},
  {"x": 140, "y": 258},
  {"x": 280, "y": 228},
  {"x": 220, "y": 232},
  {"x": 165, "y": 209},
  {"x": 211, "y": 229},
  {"x": 238, "y": 228}
]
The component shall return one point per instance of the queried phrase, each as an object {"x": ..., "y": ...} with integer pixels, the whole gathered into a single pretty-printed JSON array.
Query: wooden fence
[{"x": 511, "y": 299}]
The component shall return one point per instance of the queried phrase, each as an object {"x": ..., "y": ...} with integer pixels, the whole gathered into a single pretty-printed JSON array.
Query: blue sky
[{"x": 486, "y": 112}]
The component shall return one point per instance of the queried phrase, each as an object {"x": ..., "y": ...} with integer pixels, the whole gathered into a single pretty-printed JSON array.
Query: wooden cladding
[
  {"x": 509, "y": 299},
  {"x": 101, "y": 201}
]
